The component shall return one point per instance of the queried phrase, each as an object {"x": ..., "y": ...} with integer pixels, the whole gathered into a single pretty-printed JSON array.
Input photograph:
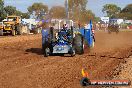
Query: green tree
[
  {"x": 127, "y": 9},
  {"x": 18, "y": 13},
  {"x": 39, "y": 8},
  {"x": 126, "y": 12},
  {"x": 10, "y": 10},
  {"x": 76, "y": 7},
  {"x": 111, "y": 10},
  {"x": 97, "y": 19},
  {"x": 74, "y": 4},
  {"x": 58, "y": 12},
  {"x": 2, "y": 12},
  {"x": 86, "y": 16},
  {"x": 25, "y": 15}
]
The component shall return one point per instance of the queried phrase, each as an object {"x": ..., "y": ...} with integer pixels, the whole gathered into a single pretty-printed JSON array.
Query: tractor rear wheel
[
  {"x": 1, "y": 33},
  {"x": 47, "y": 49},
  {"x": 78, "y": 43}
]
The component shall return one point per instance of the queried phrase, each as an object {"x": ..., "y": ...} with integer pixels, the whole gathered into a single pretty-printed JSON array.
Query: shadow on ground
[{"x": 35, "y": 50}]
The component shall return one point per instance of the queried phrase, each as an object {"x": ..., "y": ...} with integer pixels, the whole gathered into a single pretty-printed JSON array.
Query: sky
[{"x": 94, "y": 5}]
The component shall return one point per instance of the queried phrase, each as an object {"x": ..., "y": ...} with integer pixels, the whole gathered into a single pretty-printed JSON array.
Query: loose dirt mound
[
  {"x": 124, "y": 71},
  {"x": 22, "y": 64}
]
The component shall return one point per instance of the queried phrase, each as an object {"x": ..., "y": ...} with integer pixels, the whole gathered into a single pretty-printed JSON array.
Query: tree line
[
  {"x": 77, "y": 11},
  {"x": 10, "y": 10},
  {"x": 114, "y": 11}
]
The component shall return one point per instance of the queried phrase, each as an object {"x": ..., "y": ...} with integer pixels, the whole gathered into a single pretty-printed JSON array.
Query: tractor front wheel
[
  {"x": 72, "y": 52},
  {"x": 47, "y": 49},
  {"x": 46, "y": 52}
]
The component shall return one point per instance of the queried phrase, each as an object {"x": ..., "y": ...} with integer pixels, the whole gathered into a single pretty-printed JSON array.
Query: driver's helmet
[{"x": 65, "y": 26}]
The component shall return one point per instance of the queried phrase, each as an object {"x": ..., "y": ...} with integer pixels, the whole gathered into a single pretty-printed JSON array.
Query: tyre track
[{"x": 45, "y": 62}]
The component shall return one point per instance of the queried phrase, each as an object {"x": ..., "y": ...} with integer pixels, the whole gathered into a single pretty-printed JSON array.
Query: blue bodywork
[
  {"x": 87, "y": 33},
  {"x": 45, "y": 35}
]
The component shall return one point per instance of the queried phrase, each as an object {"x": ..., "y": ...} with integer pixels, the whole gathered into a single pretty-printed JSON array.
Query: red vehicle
[{"x": 130, "y": 27}]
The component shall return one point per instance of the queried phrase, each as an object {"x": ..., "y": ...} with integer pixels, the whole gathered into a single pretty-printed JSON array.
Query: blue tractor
[{"x": 67, "y": 40}]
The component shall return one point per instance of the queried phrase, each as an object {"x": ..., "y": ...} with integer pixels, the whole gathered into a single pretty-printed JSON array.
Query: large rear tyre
[
  {"x": 47, "y": 49},
  {"x": 1, "y": 33},
  {"x": 78, "y": 43}
]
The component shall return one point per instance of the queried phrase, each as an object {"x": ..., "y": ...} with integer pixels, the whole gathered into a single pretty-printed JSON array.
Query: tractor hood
[{"x": 9, "y": 22}]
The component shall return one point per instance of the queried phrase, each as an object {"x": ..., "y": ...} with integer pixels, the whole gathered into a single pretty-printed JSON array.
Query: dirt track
[{"x": 22, "y": 64}]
